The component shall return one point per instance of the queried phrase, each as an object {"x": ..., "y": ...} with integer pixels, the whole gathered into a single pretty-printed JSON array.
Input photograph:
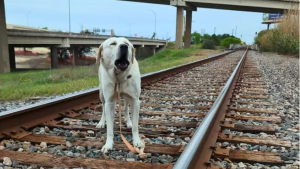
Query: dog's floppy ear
[
  {"x": 133, "y": 54},
  {"x": 99, "y": 54}
]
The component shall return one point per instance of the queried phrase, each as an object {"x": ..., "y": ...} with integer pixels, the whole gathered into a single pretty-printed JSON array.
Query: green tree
[
  {"x": 205, "y": 37},
  {"x": 83, "y": 50},
  {"x": 208, "y": 44},
  {"x": 230, "y": 40},
  {"x": 257, "y": 39},
  {"x": 224, "y": 36},
  {"x": 216, "y": 39},
  {"x": 197, "y": 39}
]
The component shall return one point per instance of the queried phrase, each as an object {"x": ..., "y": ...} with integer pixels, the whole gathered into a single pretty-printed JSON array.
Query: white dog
[{"x": 118, "y": 66}]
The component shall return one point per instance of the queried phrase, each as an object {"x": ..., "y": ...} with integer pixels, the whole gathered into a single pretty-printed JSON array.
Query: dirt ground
[{"x": 28, "y": 61}]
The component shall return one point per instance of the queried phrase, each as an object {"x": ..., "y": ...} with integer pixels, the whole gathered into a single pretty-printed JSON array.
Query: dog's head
[{"x": 117, "y": 52}]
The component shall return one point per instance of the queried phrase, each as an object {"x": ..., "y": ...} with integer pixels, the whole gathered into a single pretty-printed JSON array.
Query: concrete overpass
[
  {"x": 266, "y": 6},
  {"x": 22, "y": 36},
  {"x": 55, "y": 40},
  {"x": 62, "y": 39}
]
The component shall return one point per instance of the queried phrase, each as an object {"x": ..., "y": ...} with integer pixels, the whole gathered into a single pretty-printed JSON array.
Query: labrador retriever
[{"x": 118, "y": 66}]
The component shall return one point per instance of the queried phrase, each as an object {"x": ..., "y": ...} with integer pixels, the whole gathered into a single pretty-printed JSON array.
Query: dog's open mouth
[{"x": 121, "y": 64}]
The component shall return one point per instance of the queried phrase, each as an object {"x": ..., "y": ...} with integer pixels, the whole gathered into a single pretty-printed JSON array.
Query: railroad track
[{"x": 174, "y": 102}]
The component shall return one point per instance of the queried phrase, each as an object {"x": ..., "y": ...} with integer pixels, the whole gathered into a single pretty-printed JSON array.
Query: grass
[
  {"x": 25, "y": 85},
  {"x": 170, "y": 58}
]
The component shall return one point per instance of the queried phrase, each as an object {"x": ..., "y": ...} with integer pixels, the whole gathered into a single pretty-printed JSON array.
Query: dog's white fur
[{"x": 130, "y": 88}]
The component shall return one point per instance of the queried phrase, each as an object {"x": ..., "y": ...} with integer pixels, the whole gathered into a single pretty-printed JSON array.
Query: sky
[{"x": 128, "y": 18}]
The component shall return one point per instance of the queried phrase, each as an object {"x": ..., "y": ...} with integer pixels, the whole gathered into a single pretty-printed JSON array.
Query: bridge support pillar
[
  {"x": 179, "y": 27},
  {"x": 54, "y": 58},
  {"x": 75, "y": 56},
  {"x": 12, "y": 58},
  {"x": 138, "y": 51},
  {"x": 154, "y": 50},
  {"x": 188, "y": 29},
  {"x": 4, "y": 55}
]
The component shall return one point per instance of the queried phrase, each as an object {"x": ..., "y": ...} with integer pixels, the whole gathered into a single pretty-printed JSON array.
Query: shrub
[
  {"x": 283, "y": 39},
  {"x": 264, "y": 43},
  {"x": 230, "y": 40},
  {"x": 208, "y": 44},
  {"x": 257, "y": 39},
  {"x": 284, "y": 43}
]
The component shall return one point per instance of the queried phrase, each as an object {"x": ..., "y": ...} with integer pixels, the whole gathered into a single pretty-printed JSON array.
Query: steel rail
[
  {"x": 16, "y": 122},
  {"x": 197, "y": 153}
]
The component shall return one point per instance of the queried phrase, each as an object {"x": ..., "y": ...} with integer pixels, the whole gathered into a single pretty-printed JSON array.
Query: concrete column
[
  {"x": 179, "y": 29},
  {"x": 4, "y": 55},
  {"x": 154, "y": 50},
  {"x": 54, "y": 58},
  {"x": 188, "y": 29},
  {"x": 137, "y": 51},
  {"x": 12, "y": 58},
  {"x": 75, "y": 56}
]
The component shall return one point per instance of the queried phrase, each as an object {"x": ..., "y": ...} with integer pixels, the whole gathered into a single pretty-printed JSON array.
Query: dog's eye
[{"x": 114, "y": 44}]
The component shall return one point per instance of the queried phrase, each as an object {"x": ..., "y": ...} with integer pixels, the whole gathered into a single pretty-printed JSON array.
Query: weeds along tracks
[{"x": 171, "y": 110}]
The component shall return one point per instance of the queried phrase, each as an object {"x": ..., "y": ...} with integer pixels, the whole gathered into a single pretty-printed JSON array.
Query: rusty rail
[
  {"x": 16, "y": 122},
  {"x": 198, "y": 152}
]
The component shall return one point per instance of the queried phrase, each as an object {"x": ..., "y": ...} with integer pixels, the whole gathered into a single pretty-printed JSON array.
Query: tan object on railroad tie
[{"x": 129, "y": 146}]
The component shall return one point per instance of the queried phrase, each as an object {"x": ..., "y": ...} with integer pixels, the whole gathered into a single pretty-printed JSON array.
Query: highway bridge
[
  {"x": 266, "y": 6},
  {"x": 73, "y": 41},
  {"x": 62, "y": 39}
]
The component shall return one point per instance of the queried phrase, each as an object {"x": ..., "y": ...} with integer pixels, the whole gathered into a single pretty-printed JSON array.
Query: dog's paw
[
  {"x": 101, "y": 124},
  {"x": 138, "y": 143},
  {"x": 106, "y": 147},
  {"x": 129, "y": 123}
]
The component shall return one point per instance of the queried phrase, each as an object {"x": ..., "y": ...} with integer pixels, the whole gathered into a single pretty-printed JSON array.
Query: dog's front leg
[
  {"x": 109, "y": 114},
  {"x": 101, "y": 123},
  {"x": 135, "y": 108},
  {"x": 126, "y": 113}
]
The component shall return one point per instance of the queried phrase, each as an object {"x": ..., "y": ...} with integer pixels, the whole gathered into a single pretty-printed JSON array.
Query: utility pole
[
  {"x": 130, "y": 29},
  {"x": 154, "y": 23},
  {"x": 27, "y": 18},
  {"x": 232, "y": 32},
  {"x": 167, "y": 34},
  {"x": 69, "y": 18},
  {"x": 215, "y": 31},
  {"x": 235, "y": 30}
]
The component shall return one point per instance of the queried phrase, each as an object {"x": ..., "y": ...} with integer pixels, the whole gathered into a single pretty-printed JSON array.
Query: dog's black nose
[{"x": 124, "y": 47}]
